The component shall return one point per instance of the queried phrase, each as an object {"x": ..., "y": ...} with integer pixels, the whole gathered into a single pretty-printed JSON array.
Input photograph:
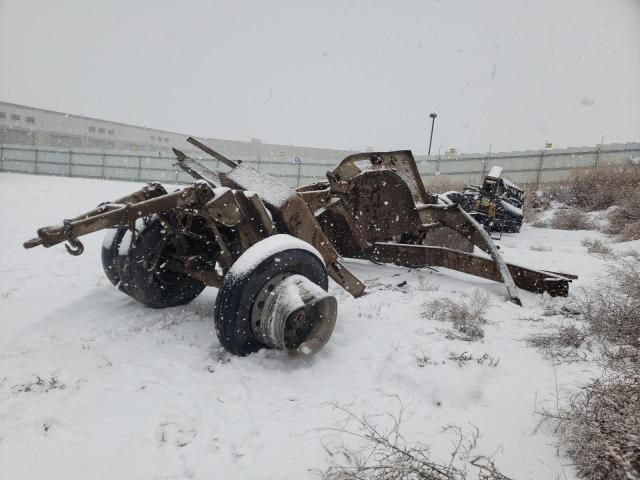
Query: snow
[
  {"x": 109, "y": 236},
  {"x": 125, "y": 243},
  {"x": 265, "y": 248},
  {"x": 151, "y": 394},
  {"x": 269, "y": 188},
  {"x": 495, "y": 172},
  {"x": 512, "y": 208}
]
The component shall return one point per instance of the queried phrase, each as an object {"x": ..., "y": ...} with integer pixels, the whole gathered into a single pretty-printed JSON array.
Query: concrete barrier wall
[{"x": 537, "y": 167}]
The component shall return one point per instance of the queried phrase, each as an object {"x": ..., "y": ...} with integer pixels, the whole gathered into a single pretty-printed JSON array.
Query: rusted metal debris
[
  {"x": 497, "y": 204},
  {"x": 163, "y": 248}
]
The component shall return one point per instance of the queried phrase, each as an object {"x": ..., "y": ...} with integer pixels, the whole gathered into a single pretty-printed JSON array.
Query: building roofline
[{"x": 91, "y": 118}]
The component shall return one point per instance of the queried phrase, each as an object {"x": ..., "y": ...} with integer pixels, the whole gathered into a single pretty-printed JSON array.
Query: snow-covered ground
[{"x": 130, "y": 392}]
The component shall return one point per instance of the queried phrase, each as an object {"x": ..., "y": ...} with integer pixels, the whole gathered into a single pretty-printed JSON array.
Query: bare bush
[
  {"x": 602, "y": 187},
  {"x": 605, "y": 187},
  {"x": 571, "y": 219},
  {"x": 596, "y": 246},
  {"x": 426, "y": 285},
  {"x": 385, "y": 454},
  {"x": 467, "y": 316},
  {"x": 600, "y": 427},
  {"x": 624, "y": 221},
  {"x": 612, "y": 310},
  {"x": 559, "y": 191}
]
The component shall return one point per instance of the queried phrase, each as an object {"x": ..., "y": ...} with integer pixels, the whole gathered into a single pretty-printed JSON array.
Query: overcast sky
[{"x": 334, "y": 73}]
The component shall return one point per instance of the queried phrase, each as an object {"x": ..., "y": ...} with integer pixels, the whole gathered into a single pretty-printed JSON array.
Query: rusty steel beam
[
  {"x": 212, "y": 152},
  {"x": 417, "y": 256},
  {"x": 127, "y": 213}
]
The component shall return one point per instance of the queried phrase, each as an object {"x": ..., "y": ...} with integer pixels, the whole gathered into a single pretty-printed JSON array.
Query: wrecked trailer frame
[{"x": 270, "y": 249}]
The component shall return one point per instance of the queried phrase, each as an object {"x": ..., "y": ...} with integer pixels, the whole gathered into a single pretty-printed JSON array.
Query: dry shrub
[
  {"x": 596, "y": 246},
  {"x": 467, "y": 316},
  {"x": 602, "y": 187},
  {"x": 561, "y": 342},
  {"x": 385, "y": 454},
  {"x": 600, "y": 427},
  {"x": 543, "y": 195},
  {"x": 571, "y": 219},
  {"x": 624, "y": 221},
  {"x": 612, "y": 311}
]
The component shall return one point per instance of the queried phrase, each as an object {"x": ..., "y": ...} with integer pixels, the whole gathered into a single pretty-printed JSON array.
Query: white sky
[{"x": 509, "y": 73}]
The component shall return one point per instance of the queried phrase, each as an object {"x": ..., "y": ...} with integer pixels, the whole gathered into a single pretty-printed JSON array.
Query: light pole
[{"x": 432, "y": 116}]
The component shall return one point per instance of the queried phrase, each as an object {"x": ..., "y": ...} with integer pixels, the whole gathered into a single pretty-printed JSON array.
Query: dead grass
[{"x": 467, "y": 316}]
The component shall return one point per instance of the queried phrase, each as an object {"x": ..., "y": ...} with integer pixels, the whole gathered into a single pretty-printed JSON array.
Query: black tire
[
  {"x": 237, "y": 295},
  {"x": 158, "y": 289},
  {"x": 109, "y": 256}
]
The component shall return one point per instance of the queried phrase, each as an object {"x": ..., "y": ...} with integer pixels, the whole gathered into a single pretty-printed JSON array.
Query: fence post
[
  {"x": 139, "y": 167},
  {"x": 484, "y": 169},
  {"x": 299, "y": 162},
  {"x": 70, "y": 161},
  {"x": 1, "y": 157},
  {"x": 539, "y": 169},
  {"x": 35, "y": 167},
  {"x": 104, "y": 160},
  {"x": 597, "y": 160},
  {"x": 258, "y": 154}
]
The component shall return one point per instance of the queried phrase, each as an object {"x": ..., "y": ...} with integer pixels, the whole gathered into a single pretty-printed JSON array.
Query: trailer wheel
[
  {"x": 253, "y": 281},
  {"x": 143, "y": 275},
  {"x": 109, "y": 256}
]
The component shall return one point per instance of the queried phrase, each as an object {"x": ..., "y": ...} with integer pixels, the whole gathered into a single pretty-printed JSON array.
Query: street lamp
[{"x": 432, "y": 116}]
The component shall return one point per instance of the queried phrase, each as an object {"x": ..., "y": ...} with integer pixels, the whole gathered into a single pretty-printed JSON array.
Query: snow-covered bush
[
  {"x": 608, "y": 186},
  {"x": 624, "y": 221},
  {"x": 596, "y": 246},
  {"x": 561, "y": 342},
  {"x": 600, "y": 425},
  {"x": 612, "y": 311},
  {"x": 571, "y": 219},
  {"x": 467, "y": 316}
]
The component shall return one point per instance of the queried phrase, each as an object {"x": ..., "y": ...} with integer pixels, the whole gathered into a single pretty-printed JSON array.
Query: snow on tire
[{"x": 273, "y": 258}]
